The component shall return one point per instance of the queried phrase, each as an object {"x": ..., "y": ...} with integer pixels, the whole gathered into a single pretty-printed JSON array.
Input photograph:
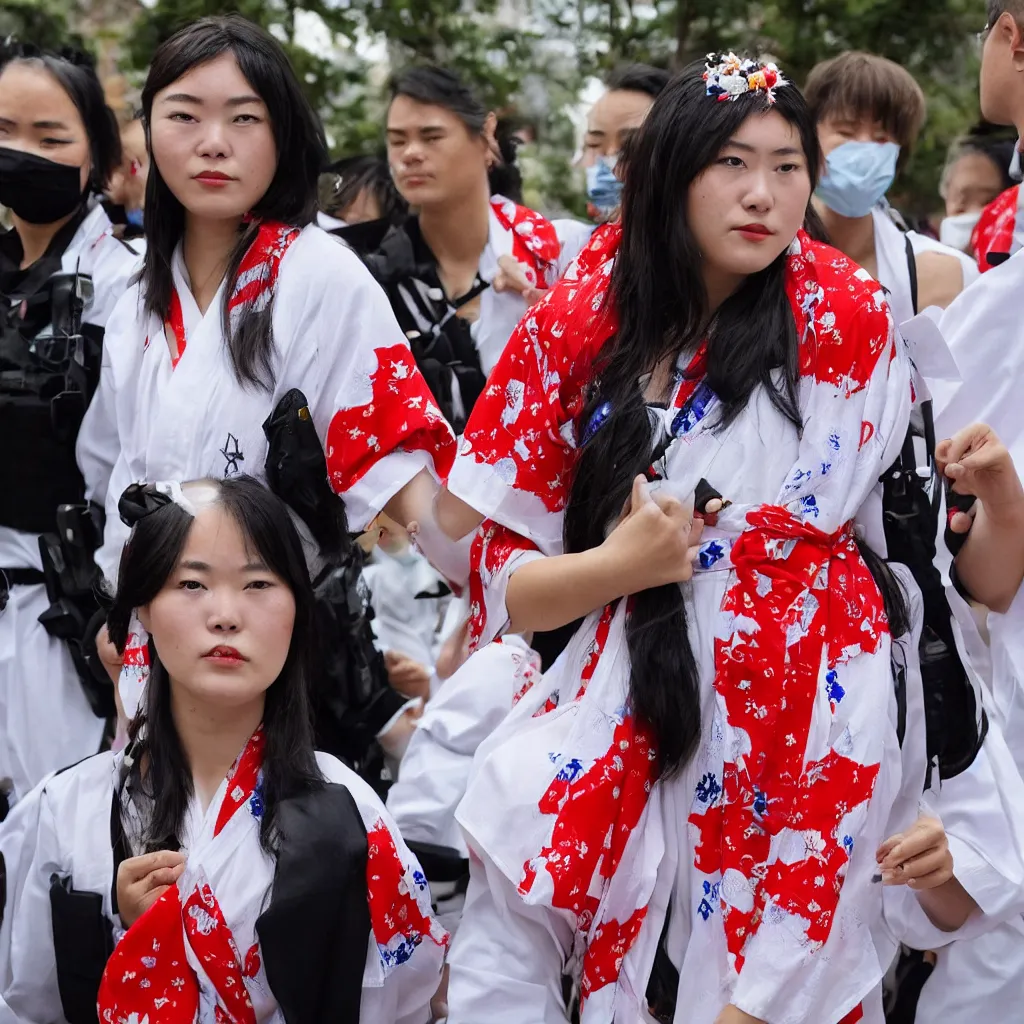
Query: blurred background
[{"x": 539, "y": 62}]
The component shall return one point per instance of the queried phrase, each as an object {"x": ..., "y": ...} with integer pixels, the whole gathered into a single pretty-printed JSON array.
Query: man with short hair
[
  {"x": 630, "y": 92},
  {"x": 869, "y": 112}
]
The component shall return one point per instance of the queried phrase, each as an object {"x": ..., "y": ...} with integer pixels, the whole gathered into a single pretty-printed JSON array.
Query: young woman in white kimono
[
  {"x": 260, "y": 882},
  {"x": 58, "y": 145},
  {"x": 685, "y": 813},
  {"x": 242, "y": 298}
]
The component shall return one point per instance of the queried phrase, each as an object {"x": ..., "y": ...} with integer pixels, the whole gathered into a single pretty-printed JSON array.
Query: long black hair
[
  {"x": 659, "y": 295},
  {"x": 291, "y": 197},
  {"x": 75, "y": 73},
  {"x": 160, "y": 768},
  {"x": 440, "y": 87}
]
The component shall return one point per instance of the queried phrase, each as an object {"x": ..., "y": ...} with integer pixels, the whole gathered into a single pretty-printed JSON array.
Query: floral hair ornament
[{"x": 728, "y": 76}]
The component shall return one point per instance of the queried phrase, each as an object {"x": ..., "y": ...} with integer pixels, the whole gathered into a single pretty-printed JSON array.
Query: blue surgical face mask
[
  {"x": 857, "y": 175},
  {"x": 134, "y": 217},
  {"x": 604, "y": 190}
]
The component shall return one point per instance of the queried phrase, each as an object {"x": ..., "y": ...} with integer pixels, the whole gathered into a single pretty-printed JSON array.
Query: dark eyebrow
[
  {"x": 194, "y": 566},
  {"x": 255, "y": 567},
  {"x": 783, "y": 151},
  {"x": 235, "y": 101},
  {"x": 595, "y": 131},
  {"x": 52, "y": 126}
]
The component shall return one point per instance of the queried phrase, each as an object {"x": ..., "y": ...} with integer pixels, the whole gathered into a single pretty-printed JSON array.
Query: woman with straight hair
[
  {"x": 219, "y": 868},
  {"x": 685, "y": 814},
  {"x": 58, "y": 147},
  {"x": 243, "y": 300}
]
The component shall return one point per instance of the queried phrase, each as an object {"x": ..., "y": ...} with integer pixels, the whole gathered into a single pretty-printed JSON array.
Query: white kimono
[
  {"x": 69, "y": 835},
  {"x": 45, "y": 719},
  {"x": 578, "y": 855},
  {"x": 335, "y": 339},
  {"x": 893, "y": 269},
  {"x": 982, "y": 977}
]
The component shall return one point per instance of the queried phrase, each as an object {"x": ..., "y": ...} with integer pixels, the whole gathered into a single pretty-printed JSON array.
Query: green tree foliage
[
  {"x": 42, "y": 22},
  {"x": 531, "y": 58}
]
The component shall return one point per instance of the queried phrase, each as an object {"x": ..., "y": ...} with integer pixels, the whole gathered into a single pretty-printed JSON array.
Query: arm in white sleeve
[
  {"x": 30, "y": 994},
  {"x": 508, "y": 958}
]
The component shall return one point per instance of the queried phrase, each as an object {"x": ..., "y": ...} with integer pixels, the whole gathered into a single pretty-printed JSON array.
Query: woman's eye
[
  {"x": 56, "y": 142},
  {"x": 731, "y": 161},
  {"x": 789, "y": 168},
  {"x": 259, "y": 585},
  {"x": 190, "y": 585},
  {"x": 180, "y": 115},
  {"x": 247, "y": 119}
]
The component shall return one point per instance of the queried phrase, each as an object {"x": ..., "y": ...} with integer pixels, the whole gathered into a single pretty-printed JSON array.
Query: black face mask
[{"x": 38, "y": 190}]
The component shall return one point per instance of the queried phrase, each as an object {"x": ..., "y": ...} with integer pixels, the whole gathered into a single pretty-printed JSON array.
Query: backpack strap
[{"x": 912, "y": 267}]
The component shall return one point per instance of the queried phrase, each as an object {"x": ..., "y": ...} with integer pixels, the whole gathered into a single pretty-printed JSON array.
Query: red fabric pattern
[
  {"x": 535, "y": 242},
  {"x": 400, "y": 414},
  {"x": 596, "y": 648},
  {"x": 176, "y": 325},
  {"x": 538, "y": 384},
  {"x": 596, "y": 809},
  {"x": 212, "y": 942},
  {"x": 490, "y": 551},
  {"x": 822, "y": 608},
  {"x": 395, "y": 913},
  {"x": 855, "y": 1015},
  {"x": 995, "y": 229},
  {"x": 609, "y": 945},
  {"x": 254, "y": 285},
  {"x": 242, "y": 778},
  {"x": 148, "y": 973}
]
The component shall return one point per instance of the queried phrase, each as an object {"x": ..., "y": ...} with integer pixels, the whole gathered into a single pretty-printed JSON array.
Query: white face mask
[{"x": 956, "y": 231}]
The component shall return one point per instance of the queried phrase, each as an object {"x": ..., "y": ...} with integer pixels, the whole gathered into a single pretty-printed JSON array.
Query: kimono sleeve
[
  {"x": 802, "y": 948},
  {"x": 372, "y": 408},
  {"x": 28, "y": 968},
  {"x": 508, "y": 957},
  {"x": 519, "y": 448},
  {"x": 407, "y": 946},
  {"x": 98, "y": 444}
]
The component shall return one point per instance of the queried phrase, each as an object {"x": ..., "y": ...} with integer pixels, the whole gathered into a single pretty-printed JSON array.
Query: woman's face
[
  {"x": 37, "y": 116},
  {"x": 433, "y": 156},
  {"x": 973, "y": 182},
  {"x": 212, "y": 141},
  {"x": 746, "y": 207},
  {"x": 223, "y": 622}
]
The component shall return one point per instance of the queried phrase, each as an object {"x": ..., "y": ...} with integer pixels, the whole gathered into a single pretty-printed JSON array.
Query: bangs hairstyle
[
  {"x": 149, "y": 559},
  {"x": 74, "y": 73},
  {"x": 658, "y": 292},
  {"x": 438, "y": 87},
  {"x": 863, "y": 85},
  {"x": 290, "y": 199}
]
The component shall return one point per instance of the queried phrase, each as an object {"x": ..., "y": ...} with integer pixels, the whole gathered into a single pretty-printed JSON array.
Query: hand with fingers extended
[
  {"x": 655, "y": 542},
  {"x": 978, "y": 463},
  {"x": 920, "y": 858},
  {"x": 141, "y": 881}
]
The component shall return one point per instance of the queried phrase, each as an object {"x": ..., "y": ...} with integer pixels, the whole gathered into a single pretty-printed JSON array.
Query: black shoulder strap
[
  {"x": 319, "y": 913},
  {"x": 912, "y": 267}
]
